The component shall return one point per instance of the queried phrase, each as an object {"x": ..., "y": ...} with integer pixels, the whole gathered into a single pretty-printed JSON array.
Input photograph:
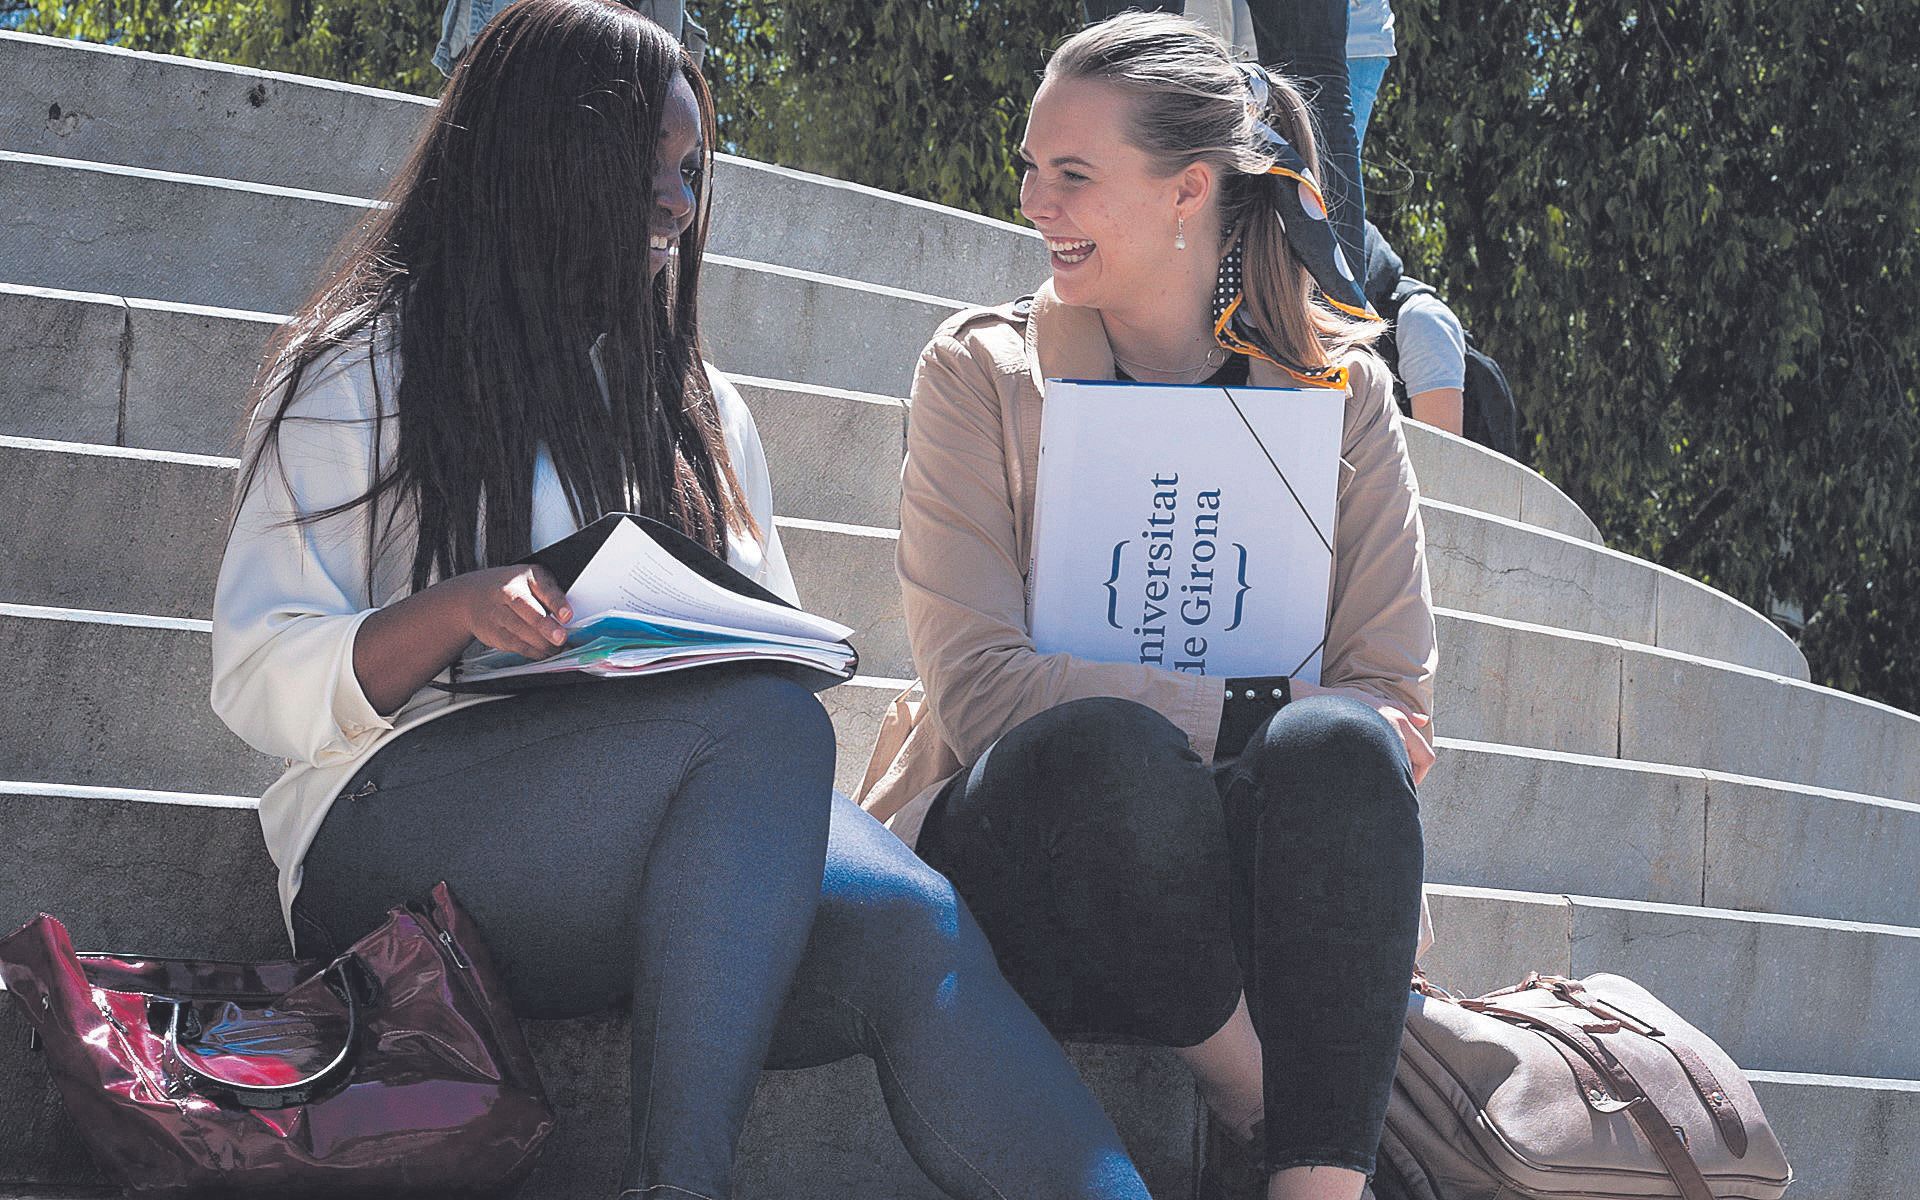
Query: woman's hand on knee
[{"x": 1408, "y": 725}]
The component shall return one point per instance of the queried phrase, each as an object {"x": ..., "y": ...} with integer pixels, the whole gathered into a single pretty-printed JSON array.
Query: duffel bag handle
[
  {"x": 275, "y": 1095},
  {"x": 1638, "y": 1104},
  {"x": 1715, "y": 1098}
]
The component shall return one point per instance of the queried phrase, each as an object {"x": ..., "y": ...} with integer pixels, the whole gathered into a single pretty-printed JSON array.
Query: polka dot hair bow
[{"x": 1302, "y": 213}]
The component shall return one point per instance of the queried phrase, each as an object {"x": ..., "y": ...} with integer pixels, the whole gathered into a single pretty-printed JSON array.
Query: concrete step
[
  {"x": 1488, "y": 564},
  {"x": 1848, "y": 1138},
  {"x": 1757, "y": 983},
  {"x": 1845, "y": 1136},
  {"x": 115, "y": 371},
  {"x": 1675, "y": 836},
  {"x": 246, "y": 247},
  {"x": 1480, "y": 563},
  {"x": 1530, "y": 685},
  {"x": 171, "y": 114},
  {"x": 146, "y": 723},
  {"x": 1475, "y": 477},
  {"x": 106, "y": 371},
  {"x": 183, "y": 114},
  {"x": 84, "y": 367},
  {"x": 811, "y": 1134},
  {"x": 143, "y": 531},
  {"x": 1765, "y": 987},
  {"x": 121, "y": 700},
  {"x": 1543, "y": 821},
  {"x": 98, "y": 857}
]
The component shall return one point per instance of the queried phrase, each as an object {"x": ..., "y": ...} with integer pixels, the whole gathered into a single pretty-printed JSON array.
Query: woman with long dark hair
[
  {"x": 506, "y": 350},
  {"x": 1228, "y": 867}
]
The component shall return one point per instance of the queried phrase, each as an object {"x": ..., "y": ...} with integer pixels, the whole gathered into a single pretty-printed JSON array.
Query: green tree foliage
[
  {"x": 1689, "y": 230},
  {"x": 925, "y": 97},
  {"x": 377, "y": 43}
]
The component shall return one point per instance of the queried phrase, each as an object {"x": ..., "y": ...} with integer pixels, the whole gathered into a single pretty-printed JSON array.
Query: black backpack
[{"x": 1490, "y": 415}]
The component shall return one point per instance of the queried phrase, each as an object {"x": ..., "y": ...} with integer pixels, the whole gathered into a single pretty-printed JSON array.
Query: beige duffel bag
[{"x": 1564, "y": 1089}]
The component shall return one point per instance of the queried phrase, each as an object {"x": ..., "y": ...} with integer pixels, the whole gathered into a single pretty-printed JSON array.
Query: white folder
[{"x": 1186, "y": 527}]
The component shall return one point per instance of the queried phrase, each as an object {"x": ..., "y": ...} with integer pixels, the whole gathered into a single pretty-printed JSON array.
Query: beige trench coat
[{"x": 966, "y": 524}]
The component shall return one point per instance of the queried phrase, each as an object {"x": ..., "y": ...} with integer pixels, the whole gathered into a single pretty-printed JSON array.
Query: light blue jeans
[{"x": 1364, "y": 76}]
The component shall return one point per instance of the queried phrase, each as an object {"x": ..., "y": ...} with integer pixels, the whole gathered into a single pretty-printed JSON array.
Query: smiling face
[
  {"x": 1109, "y": 220},
  {"x": 677, "y": 175}
]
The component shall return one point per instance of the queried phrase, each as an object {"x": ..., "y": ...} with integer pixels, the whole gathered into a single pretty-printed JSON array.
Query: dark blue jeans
[
  {"x": 1305, "y": 40},
  {"x": 1132, "y": 892},
  {"x": 674, "y": 844}
]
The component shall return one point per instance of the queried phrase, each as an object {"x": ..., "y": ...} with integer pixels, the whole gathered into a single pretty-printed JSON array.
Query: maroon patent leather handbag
[{"x": 395, "y": 1070}]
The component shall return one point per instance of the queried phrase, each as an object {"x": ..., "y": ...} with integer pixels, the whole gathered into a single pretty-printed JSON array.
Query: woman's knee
[
  {"x": 1099, "y": 763},
  {"x": 1331, "y": 774},
  {"x": 770, "y": 717},
  {"x": 1098, "y": 810},
  {"x": 1100, "y": 734},
  {"x": 883, "y": 908},
  {"x": 1331, "y": 740},
  {"x": 770, "y": 698}
]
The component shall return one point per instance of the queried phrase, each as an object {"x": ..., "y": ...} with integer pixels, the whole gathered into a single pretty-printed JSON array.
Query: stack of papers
[
  {"x": 650, "y": 601},
  {"x": 626, "y": 643}
]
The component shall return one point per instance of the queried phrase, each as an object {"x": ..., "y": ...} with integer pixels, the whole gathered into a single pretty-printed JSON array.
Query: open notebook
[{"x": 648, "y": 599}]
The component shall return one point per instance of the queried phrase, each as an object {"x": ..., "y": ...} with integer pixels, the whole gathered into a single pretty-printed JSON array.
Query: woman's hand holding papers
[
  {"x": 1408, "y": 725},
  {"x": 400, "y": 648},
  {"x": 520, "y": 609}
]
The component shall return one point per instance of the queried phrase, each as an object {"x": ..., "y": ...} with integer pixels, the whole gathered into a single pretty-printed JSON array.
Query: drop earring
[{"x": 1180, "y": 234}]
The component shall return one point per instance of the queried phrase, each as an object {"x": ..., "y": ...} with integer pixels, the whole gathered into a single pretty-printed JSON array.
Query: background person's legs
[
  {"x": 1100, "y": 10},
  {"x": 1307, "y": 40},
  {"x": 659, "y": 839},
  {"x": 671, "y": 15},
  {"x": 1364, "y": 77},
  {"x": 462, "y": 21}
]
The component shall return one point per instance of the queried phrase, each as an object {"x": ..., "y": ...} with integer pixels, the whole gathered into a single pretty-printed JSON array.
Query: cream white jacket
[{"x": 291, "y": 598}]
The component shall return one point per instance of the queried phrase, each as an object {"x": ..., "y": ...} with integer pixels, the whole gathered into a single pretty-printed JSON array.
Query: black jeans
[
  {"x": 1305, "y": 40},
  {"x": 674, "y": 843},
  {"x": 1132, "y": 892}
]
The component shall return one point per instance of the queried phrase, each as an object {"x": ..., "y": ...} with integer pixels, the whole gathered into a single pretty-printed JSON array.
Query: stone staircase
[{"x": 1635, "y": 773}]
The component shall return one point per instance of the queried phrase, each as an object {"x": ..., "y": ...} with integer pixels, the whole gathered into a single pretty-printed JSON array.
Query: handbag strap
[
  {"x": 1714, "y": 1098},
  {"x": 1660, "y": 1133},
  {"x": 276, "y": 1095}
]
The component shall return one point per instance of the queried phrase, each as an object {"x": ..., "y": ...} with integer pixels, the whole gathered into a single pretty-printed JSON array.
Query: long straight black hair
[{"x": 513, "y": 237}]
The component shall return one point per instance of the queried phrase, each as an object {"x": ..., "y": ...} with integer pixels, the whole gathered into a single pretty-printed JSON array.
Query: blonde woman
[{"x": 1232, "y": 868}]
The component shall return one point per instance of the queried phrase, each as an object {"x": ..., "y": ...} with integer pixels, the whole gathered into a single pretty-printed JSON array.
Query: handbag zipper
[
  {"x": 463, "y": 973},
  {"x": 448, "y": 946},
  {"x": 452, "y": 952}
]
